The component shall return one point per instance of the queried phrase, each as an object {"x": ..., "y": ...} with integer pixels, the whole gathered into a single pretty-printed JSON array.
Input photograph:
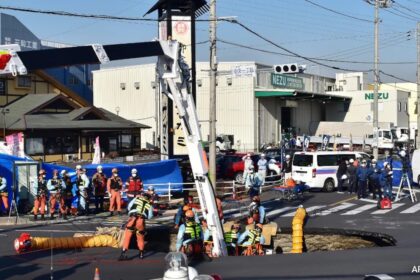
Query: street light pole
[{"x": 212, "y": 107}]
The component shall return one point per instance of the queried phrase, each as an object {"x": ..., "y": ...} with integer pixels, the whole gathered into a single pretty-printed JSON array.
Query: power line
[
  {"x": 289, "y": 51},
  {"x": 337, "y": 12},
  {"x": 315, "y": 58},
  {"x": 407, "y": 8},
  {"x": 396, "y": 77}
]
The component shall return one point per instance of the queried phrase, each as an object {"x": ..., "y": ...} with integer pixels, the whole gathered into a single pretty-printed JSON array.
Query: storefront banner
[
  {"x": 15, "y": 144},
  {"x": 325, "y": 142},
  {"x": 306, "y": 141}
]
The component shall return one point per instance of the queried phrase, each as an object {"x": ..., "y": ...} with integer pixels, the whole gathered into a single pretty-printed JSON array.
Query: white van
[
  {"x": 318, "y": 169},
  {"x": 415, "y": 166}
]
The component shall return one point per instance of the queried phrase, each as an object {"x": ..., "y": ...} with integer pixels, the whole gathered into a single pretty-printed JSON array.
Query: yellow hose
[
  {"x": 297, "y": 234},
  {"x": 73, "y": 242}
]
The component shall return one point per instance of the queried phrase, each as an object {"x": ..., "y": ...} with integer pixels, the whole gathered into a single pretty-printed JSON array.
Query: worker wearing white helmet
[
  {"x": 134, "y": 184},
  {"x": 247, "y": 164},
  {"x": 262, "y": 167},
  {"x": 82, "y": 183},
  {"x": 99, "y": 181}
]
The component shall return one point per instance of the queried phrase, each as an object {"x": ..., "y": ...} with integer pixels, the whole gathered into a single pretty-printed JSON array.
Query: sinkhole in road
[{"x": 329, "y": 239}]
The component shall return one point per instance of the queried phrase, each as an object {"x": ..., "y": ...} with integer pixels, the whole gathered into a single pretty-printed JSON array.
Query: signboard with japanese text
[
  {"x": 285, "y": 81},
  {"x": 15, "y": 144},
  {"x": 244, "y": 71}
]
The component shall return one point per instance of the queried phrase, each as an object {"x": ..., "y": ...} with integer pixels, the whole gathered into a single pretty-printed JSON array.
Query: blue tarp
[
  {"x": 397, "y": 172},
  {"x": 6, "y": 171},
  {"x": 161, "y": 172}
]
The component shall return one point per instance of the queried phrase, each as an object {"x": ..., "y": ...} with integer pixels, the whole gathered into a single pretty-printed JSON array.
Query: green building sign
[
  {"x": 381, "y": 95},
  {"x": 284, "y": 81}
]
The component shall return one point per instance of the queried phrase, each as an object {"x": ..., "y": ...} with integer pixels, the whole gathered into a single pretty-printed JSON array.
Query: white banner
[
  {"x": 97, "y": 154},
  {"x": 15, "y": 144}
]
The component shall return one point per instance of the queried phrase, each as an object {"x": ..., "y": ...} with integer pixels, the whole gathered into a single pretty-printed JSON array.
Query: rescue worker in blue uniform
[
  {"x": 189, "y": 231},
  {"x": 386, "y": 180},
  {"x": 374, "y": 184},
  {"x": 362, "y": 174},
  {"x": 351, "y": 171}
]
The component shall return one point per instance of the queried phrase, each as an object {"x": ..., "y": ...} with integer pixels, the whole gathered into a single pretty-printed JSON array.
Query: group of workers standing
[
  {"x": 366, "y": 177},
  {"x": 69, "y": 197}
]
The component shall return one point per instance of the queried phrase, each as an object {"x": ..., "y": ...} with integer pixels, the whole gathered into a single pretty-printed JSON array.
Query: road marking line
[
  {"x": 359, "y": 210},
  {"x": 309, "y": 209},
  {"x": 384, "y": 211},
  {"x": 342, "y": 201},
  {"x": 368, "y": 200},
  {"x": 335, "y": 209},
  {"x": 412, "y": 209},
  {"x": 279, "y": 211}
]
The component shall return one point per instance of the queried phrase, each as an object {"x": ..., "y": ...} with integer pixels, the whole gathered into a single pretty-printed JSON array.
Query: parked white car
[
  {"x": 318, "y": 169},
  {"x": 415, "y": 166}
]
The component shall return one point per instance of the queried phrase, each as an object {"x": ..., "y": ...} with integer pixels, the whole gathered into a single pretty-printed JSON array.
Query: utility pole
[
  {"x": 378, "y": 4},
  {"x": 212, "y": 108},
  {"x": 418, "y": 86},
  {"x": 376, "y": 81}
]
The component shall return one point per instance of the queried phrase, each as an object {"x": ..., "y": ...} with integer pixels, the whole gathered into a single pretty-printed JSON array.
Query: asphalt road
[{"x": 327, "y": 210}]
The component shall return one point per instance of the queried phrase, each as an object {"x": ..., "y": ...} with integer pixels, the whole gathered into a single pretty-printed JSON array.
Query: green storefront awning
[{"x": 273, "y": 93}]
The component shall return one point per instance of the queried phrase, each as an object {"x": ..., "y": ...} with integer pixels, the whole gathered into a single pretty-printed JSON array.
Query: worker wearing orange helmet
[
  {"x": 114, "y": 187},
  {"x": 139, "y": 209},
  {"x": 188, "y": 205},
  {"x": 190, "y": 231},
  {"x": 40, "y": 194},
  {"x": 55, "y": 186}
]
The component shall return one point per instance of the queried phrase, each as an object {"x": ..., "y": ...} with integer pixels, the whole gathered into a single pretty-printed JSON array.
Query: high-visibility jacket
[
  {"x": 253, "y": 237},
  {"x": 231, "y": 237},
  {"x": 192, "y": 231},
  {"x": 141, "y": 207}
]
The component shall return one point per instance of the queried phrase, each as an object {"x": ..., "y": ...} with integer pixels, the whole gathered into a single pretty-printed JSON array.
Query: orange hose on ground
[
  {"x": 297, "y": 234},
  {"x": 74, "y": 242}
]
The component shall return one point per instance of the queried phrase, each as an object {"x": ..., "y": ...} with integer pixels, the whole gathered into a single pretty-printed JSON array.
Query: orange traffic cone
[{"x": 97, "y": 276}]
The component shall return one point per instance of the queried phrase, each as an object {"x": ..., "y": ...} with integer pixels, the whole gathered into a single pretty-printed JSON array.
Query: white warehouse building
[{"x": 254, "y": 109}]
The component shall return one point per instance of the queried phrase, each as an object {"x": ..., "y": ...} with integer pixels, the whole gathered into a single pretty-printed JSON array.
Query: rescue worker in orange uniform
[
  {"x": 99, "y": 181},
  {"x": 134, "y": 184},
  {"x": 114, "y": 187},
  {"x": 4, "y": 194},
  {"x": 139, "y": 209},
  {"x": 55, "y": 186},
  {"x": 40, "y": 194}
]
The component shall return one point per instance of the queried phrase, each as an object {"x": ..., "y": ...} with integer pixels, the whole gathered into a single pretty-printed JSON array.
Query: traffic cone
[{"x": 97, "y": 276}]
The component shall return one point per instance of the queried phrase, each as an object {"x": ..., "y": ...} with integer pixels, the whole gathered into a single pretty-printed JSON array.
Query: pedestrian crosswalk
[{"x": 348, "y": 209}]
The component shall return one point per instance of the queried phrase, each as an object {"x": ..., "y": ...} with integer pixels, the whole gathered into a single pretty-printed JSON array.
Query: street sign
[{"x": 284, "y": 81}]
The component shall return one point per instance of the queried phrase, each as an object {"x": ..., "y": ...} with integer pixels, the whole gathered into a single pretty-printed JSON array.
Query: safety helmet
[
  {"x": 374, "y": 160},
  {"x": 403, "y": 153},
  {"x": 351, "y": 160},
  {"x": 134, "y": 171},
  {"x": 259, "y": 227},
  {"x": 151, "y": 188},
  {"x": 262, "y": 155},
  {"x": 287, "y": 156},
  {"x": 248, "y": 154},
  {"x": 189, "y": 214},
  {"x": 99, "y": 168},
  {"x": 186, "y": 208},
  {"x": 63, "y": 172},
  {"x": 41, "y": 172},
  {"x": 386, "y": 163},
  {"x": 364, "y": 161},
  {"x": 78, "y": 167},
  {"x": 114, "y": 170},
  {"x": 55, "y": 172}
]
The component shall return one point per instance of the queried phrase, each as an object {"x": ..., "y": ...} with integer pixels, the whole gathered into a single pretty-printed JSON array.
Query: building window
[
  {"x": 399, "y": 106},
  {"x": 24, "y": 82},
  {"x": 70, "y": 144},
  {"x": 137, "y": 85},
  {"x": 113, "y": 144},
  {"x": 3, "y": 86},
  {"x": 405, "y": 107},
  {"x": 34, "y": 146},
  {"x": 136, "y": 141},
  {"x": 126, "y": 142},
  {"x": 122, "y": 86},
  {"x": 73, "y": 80},
  {"x": 53, "y": 145}
]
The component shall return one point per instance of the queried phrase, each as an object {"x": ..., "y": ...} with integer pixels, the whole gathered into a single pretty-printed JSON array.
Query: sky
[{"x": 345, "y": 33}]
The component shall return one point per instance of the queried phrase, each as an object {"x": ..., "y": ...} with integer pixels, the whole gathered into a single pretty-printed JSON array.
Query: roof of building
[{"x": 32, "y": 112}]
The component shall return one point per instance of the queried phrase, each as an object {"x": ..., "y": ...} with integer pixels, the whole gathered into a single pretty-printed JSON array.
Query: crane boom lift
[{"x": 174, "y": 77}]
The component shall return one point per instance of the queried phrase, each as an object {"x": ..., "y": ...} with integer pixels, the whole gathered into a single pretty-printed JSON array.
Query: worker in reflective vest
[
  {"x": 40, "y": 189},
  {"x": 114, "y": 187},
  {"x": 139, "y": 209},
  {"x": 188, "y": 232},
  {"x": 99, "y": 181},
  {"x": 231, "y": 239},
  {"x": 55, "y": 186},
  {"x": 4, "y": 194},
  {"x": 252, "y": 238},
  {"x": 134, "y": 184}
]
